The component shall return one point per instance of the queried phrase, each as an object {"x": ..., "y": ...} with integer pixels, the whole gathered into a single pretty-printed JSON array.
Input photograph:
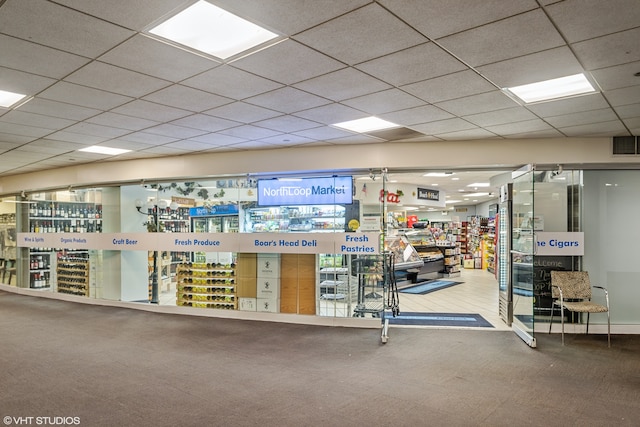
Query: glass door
[{"x": 524, "y": 223}]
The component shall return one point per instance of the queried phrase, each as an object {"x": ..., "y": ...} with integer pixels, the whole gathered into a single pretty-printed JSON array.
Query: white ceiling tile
[
  {"x": 122, "y": 13},
  {"x": 54, "y": 146},
  {"x": 151, "y": 111},
  {"x": 164, "y": 150},
  {"x": 247, "y": 112},
  {"x": 342, "y": 84},
  {"x": 324, "y": 133},
  {"x": 331, "y": 114},
  {"x": 249, "y": 132},
  {"x": 174, "y": 131},
  {"x": 372, "y": 25},
  {"x": 355, "y": 139},
  {"x": 618, "y": 76},
  {"x": 153, "y": 58},
  {"x": 467, "y": 134},
  {"x": 539, "y": 66},
  {"x": 285, "y": 16},
  {"x": 187, "y": 98},
  {"x": 253, "y": 145},
  {"x": 287, "y": 124},
  {"x": 550, "y": 133},
  {"x": 147, "y": 138},
  {"x": 58, "y": 109},
  {"x": 474, "y": 104},
  {"x": 582, "y": 118},
  {"x": 121, "y": 121},
  {"x": 444, "y": 126},
  {"x": 93, "y": 129},
  {"x": 217, "y": 139},
  {"x": 287, "y": 140},
  {"x": 109, "y": 78},
  {"x": 519, "y": 127},
  {"x": 624, "y": 96},
  {"x": 451, "y": 86},
  {"x": 633, "y": 124},
  {"x": 127, "y": 145},
  {"x": 626, "y": 111},
  {"x": 568, "y": 105},
  {"x": 48, "y": 24},
  {"x": 384, "y": 101},
  {"x": 205, "y": 122},
  {"x": 19, "y": 55},
  {"x": 438, "y": 18},
  {"x": 288, "y": 62},
  {"x": 77, "y": 138},
  {"x": 612, "y": 128},
  {"x": 21, "y": 82},
  {"x": 504, "y": 39},
  {"x": 288, "y": 100},
  {"x": 596, "y": 18},
  {"x": 8, "y": 140},
  {"x": 83, "y": 96},
  {"x": 23, "y": 130},
  {"x": 499, "y": 117},
  {"x": 38, "y": 120},
  {"x": 615, "y": 49},
  {"x": 188, "y": 145},
  {"x": 412, "y": 65},
  {"x": 417, "y": 115},
  {"x": 231, "y": 82}
]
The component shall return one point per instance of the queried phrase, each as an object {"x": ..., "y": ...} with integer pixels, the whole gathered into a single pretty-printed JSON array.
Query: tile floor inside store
[{"x": 477, "y": 294}]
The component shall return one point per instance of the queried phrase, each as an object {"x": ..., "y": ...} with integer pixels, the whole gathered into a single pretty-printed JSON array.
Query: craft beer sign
[{"x": 305, "y": 191}]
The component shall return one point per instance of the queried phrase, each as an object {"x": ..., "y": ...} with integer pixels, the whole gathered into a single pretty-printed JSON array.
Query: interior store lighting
[
  {"x": 8, "y": 99},
  {"x": 212, "y": 30},
  {"x": 438, "y": 174},
  {"x": 368, "y": 124},
  {"x": 99, "y": 149},
  {"x": 562, "y": 87}
]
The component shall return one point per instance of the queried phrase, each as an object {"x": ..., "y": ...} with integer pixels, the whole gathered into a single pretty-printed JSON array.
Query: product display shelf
[
  {"x": 174, "y": 221},
  {"x": 73, "y": 276},
  {"x": 297, "y": 218},
  {"x": 207, "y": 285},
  {"x": 451, "y": 261}
]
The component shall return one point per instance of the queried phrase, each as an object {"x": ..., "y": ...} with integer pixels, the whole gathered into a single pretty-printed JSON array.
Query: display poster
[
  {"x": 559, "y": 243},
  {"x": 305, "y": 191},
  {"x": 308, "y": 243}
]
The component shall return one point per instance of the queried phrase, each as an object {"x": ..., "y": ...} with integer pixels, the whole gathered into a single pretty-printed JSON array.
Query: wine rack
[
  {"x": 73, "y": 276},
  {"x": 207, "y": 285}
]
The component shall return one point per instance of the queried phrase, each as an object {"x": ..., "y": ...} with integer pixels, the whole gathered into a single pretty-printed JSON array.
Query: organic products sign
[{"x": 306, "y": 191}]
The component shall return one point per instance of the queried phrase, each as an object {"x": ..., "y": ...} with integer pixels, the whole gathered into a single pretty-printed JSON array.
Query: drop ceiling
[{"x": 435, "y": 67}]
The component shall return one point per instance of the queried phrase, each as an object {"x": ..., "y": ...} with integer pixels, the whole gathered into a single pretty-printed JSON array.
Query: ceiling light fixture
[
  {"x": 367, "y": 124},
  {"x": 212, "y": 30},
  {"x": 438, "y": 174},
  {"x": 98, "y": 149},
  {"x": 562, "y": 87},
  {"x": 479, "y": 184},
  {"x": 8, "y": 99}
]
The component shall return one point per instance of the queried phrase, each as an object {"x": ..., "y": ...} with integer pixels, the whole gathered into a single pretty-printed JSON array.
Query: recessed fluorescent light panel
[
  {"x": 553, "y": 89},
  {"x": 441, "y": 174},
  {"x": 98, "y": 149},
  {"x": 367, "y": 124},
  {"x": 7, "y": 99},
  {"x": 479, "y": 184},
  {"x": 209, "y": 29}
]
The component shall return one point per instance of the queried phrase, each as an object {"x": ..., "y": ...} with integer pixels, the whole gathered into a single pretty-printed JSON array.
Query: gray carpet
[{"x": 120, "y": 367}]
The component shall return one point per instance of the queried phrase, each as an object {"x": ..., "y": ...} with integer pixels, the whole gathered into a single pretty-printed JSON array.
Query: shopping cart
[{"x": 377, "y": 289}]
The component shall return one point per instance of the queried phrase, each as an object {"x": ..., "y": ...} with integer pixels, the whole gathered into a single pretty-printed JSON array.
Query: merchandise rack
[
  {"x": 207, "y": 285},
  {"x": 377, "y": 289}
]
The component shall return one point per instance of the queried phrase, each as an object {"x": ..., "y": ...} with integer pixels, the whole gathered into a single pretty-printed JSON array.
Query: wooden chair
[{"x": 572, "y": 292}]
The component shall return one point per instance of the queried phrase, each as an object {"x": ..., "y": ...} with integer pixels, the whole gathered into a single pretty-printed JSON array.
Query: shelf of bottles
[
  {"x": 49, "y": 214},
  {"x": 174, "y": 220},
  {"x": 296, "y": 218},
  {"x": 207, "y": 285},
  {"x": 72, "y": 274}
]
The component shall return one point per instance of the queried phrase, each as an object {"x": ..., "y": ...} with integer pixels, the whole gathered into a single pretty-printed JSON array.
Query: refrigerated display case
[
  {"x": 503, "y": 255},
  {"x": 215, "y": 219}
]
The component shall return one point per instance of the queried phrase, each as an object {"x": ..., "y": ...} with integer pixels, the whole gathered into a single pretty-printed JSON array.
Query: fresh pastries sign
[{"x": 306, "y": 191}]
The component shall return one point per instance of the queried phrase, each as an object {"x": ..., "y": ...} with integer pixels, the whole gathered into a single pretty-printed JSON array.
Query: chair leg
[
  {"x": 608, "y": 329},
  {"x": 587, "y": 323},
  {"x": 562, "y": 321},
  {"x": 551, "y": 320}
]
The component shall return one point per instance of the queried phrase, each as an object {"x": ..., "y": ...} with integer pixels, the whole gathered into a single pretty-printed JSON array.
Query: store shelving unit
[
  {"x": 207, "y": 286},
  {"x": 174, "y": 221},
  {"x": 297, "y": 218},
  {"x": 72, "y": 274}
]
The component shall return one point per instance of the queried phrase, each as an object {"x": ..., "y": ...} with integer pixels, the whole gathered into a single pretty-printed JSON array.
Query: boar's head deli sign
[
  {"x": 306, "y": 191},
  {"x": 426, "y": 194}
]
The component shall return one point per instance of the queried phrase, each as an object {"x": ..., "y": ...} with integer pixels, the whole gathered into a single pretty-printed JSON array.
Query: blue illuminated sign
[
  {"x": 214, "y": 210},
  {"x": 307, "y": 191}
]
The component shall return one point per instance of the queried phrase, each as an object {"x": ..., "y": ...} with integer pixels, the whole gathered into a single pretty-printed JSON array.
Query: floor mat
[
  {"x": 440, "y": 319},
  {"x": 430, "y": 286}
]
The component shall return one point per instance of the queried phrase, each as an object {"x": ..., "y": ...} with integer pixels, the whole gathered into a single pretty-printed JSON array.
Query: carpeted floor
[{"x": 119, "y": 367}]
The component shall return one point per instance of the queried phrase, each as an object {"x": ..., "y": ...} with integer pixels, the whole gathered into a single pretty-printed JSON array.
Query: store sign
[
  {"x": 307, "y": 191},
  {"x": 307, "y": 243},
  {"x": 427, "y": 194},
  {"x": 214, "y": 210},
  {"x": 559, "y": 243}
]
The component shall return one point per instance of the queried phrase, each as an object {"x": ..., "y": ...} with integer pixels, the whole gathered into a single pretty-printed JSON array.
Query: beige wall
[{"x": 489, "y": 154}]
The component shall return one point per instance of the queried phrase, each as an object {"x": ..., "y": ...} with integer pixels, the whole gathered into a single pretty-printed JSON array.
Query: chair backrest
[{"x": 574, "y": 284}]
